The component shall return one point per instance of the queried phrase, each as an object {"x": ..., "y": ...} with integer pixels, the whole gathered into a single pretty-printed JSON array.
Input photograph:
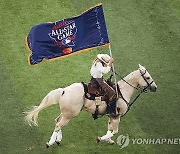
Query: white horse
[{"x": 71, "y": 100}]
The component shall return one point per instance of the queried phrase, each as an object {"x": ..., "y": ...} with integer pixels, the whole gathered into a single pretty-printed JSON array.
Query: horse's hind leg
[
  {"x": 57, "y": 134},
  {"x": 61, "y": 122}
]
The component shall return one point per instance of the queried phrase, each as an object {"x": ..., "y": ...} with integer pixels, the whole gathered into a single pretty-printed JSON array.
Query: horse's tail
[{"x": 51, "y": 98}]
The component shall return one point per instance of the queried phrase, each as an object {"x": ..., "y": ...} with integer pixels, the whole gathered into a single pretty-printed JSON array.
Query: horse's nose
[{"x": 153, "y": 88}]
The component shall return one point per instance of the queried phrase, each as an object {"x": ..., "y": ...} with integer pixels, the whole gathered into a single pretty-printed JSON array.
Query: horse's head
[{"x": 145, "y": 80}]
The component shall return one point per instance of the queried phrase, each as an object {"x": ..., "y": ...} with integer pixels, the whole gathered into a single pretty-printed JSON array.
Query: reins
[
  {"x": 126, "y": 81},
  {"x": 129, "y": 104}
]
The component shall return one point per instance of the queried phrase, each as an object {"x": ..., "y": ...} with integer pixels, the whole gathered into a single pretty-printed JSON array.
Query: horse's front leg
[{"x": 113, "y": 124}]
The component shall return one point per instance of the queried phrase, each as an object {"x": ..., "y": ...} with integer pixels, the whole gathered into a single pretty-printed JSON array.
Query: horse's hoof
[
  {"x": 47, "y": 145},
  {"x": 111, "y": 142},
  {"x": 58, "y": 143},
  {"x": 98, "y": 139}
]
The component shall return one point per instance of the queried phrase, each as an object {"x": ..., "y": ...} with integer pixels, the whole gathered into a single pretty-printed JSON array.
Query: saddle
[{"x": 92, "y": 90}]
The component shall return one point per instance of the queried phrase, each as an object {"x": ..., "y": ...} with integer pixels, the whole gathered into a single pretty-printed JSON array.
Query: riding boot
[
  {"x": 111, "y": 108},
  {"x": 109, "y": 91}
]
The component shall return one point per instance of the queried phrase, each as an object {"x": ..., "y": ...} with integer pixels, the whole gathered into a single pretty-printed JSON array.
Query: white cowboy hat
[{"x": 104, "y": 58}]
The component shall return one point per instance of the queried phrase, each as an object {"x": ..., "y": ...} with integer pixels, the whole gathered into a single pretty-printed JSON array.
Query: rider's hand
[{"x": 111, "y": 61}]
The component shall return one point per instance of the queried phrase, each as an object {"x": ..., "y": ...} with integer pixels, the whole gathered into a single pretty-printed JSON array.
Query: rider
[{"x": 102, "y": 65}]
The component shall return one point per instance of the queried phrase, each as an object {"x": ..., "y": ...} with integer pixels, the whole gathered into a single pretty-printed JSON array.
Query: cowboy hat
[{"x": 104, "y": 58}]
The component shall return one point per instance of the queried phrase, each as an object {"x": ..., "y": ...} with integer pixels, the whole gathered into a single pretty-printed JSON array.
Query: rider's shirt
[{"x": 97, "y": 70}]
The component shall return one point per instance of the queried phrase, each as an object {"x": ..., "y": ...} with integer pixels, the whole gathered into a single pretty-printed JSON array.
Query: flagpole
[{"x": 113, "y": 69}]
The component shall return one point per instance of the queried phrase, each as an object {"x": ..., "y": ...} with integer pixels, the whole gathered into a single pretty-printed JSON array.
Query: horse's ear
[{"x": 140, "y": 66}]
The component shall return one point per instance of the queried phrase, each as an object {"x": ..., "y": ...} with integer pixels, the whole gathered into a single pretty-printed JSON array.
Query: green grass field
[{"x": 140, "y": 31}]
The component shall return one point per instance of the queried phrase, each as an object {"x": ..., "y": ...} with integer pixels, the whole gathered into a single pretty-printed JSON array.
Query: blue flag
[{"x": 67, "y": 36}]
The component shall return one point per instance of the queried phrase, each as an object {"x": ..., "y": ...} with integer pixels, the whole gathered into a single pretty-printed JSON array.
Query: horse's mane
[{"x": 128, "y": 77}]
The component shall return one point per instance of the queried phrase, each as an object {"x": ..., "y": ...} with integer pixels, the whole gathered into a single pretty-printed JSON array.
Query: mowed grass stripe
[
  {"x": 110, "y": 22},
  {"x": 16, "y": 136},
  {"x": 17, "y": 77},
  {"x": 136, "y": 36},
  {"x": 147, "y": 32}
]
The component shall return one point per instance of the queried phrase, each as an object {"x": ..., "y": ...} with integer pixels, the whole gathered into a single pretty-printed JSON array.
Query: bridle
[
  {"x": 141, "y": 90},
  {"x": 148, "y": 84}
]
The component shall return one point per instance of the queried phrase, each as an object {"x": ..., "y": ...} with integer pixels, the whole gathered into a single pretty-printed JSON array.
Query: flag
[{"x": 67, "y": 36}]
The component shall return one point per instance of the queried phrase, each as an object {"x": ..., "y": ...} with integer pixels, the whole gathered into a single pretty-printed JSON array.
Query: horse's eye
[{"x": 148, "y": 78}]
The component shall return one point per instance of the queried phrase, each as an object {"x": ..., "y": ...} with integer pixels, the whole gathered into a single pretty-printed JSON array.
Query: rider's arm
[{"x": 102, "y": 69}]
